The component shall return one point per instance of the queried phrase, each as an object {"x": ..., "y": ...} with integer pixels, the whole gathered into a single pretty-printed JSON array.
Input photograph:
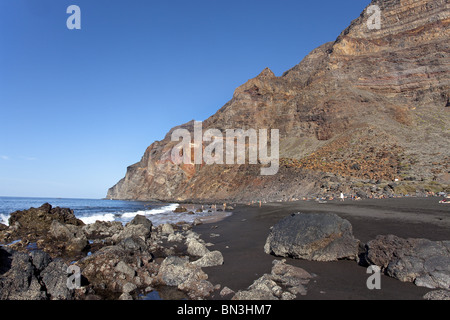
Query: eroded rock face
[
  {"x": 358, "y": 107},
  {"x": 317, "y": 237},
  {"x": 422, "y": 261}
]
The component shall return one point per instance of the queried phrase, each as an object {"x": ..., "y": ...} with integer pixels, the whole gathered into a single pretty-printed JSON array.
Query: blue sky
[{"x": 79, "y": 106}]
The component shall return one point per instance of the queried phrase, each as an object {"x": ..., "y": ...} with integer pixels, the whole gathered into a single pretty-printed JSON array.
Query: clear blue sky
[{"x": 78, "y": 106}]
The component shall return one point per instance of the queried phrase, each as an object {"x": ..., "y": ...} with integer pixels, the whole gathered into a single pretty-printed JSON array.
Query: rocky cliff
[{"x": 355, "y": 115}]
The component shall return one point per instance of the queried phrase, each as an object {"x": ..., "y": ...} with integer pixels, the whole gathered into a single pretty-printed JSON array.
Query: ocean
[{"x": 91, "y": 210}]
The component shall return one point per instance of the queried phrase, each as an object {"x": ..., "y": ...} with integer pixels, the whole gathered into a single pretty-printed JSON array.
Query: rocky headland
[{"x": 366, "y": 115}]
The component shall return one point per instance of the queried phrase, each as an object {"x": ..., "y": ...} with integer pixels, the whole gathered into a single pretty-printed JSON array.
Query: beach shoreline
[{"x": 241, "y": 238}]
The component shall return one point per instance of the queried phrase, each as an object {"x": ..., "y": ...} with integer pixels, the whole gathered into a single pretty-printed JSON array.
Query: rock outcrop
[
  {"x": 313, "y": 236},
  {"x": 370, "y": 106},
  {"x": 284, "y": 282},
  {"x": 35, "y": 223},
  {"x": 422, "y": 261}
]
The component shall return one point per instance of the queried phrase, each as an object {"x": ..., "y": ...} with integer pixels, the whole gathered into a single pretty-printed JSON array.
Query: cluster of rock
[
  {"x": 115, "y": 261},
  {"x": 284, "y": 282},
  {"x": 327, "y": 237}
]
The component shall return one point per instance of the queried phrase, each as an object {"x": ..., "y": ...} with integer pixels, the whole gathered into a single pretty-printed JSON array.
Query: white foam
[
  {"x": 169, "y": 208},
  {"x": 4, "y": 219},
  {"x": 99, "y": 217}
]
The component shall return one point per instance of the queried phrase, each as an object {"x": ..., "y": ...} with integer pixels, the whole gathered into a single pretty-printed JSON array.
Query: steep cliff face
[{"x": 371, "y": 106}]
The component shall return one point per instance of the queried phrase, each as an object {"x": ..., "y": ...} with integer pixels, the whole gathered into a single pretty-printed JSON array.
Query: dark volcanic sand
[{"x": 243, "y": 235}]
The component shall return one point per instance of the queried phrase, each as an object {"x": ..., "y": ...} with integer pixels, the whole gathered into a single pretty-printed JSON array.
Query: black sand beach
[{"x": 241, "y": 238}]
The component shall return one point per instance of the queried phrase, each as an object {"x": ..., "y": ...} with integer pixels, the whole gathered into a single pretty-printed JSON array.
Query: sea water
[{"x": 91, "y": 210}]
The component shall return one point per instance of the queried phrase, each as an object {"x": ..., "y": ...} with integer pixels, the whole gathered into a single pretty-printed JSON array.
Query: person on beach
[{"x": 342, "y": 196}]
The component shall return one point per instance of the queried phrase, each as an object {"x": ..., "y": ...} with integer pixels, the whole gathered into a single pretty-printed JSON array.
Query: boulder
[
  {"x": 180, "y": 210},
  {"x": 187, "y": 277},
  {"x": 72, "y": 236},
  {"x": 139, "y": 227},
  {"x": 18, "y": 280},
  {"x": 111, "y": 268},
  {"x": 55, "y": 278},
  {"x": 437, "y": 295},
  {"x": 35, "y": 222},
  {"x": 40, "y": 259},
  {"x": 284, "y": 282},
  {"x": 141, "y": 220},
  {"x": 167, "y": 229},
  {"x": 102, "y": 229},
  {"x": 317, "y": 237},
  {"x": 421, "y": 261},
  {"x": 134, "y": 244},
  {"x": 196, "y": 248},
  {"x": 32, "y": 276},
  {"x": 176, "y": 270},
  {"x": 210, "y": 259}
]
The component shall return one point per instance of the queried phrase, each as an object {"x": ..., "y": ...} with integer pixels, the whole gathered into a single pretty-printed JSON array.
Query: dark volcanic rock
[
  {"x": 72, "y": 236},
  {"x": 32, "y": 276},
  {"x": 424, "y": 262},
  {"x": 19, "y": 282},
  {"x": 318, "y": 237},
  {"x": 35, "y": 222},
  {"x": 102, "y": 229},
  {"x": 141, "y": 220}
]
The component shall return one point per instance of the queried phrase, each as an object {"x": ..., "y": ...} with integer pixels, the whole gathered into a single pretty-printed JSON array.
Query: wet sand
[{"x": 241, "y": 238}]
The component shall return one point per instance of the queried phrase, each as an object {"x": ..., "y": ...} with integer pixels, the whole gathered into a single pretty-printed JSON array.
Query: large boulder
[
  {"x": 210, "y": 259},
  {"x": 18, "y": 280},
  {"x": 139, "y": 227},
  {"x": 55, "y": 278},
  {"x": 32, "y": 276},
  {"x": 422, "y": 261},
  {"x": 317, "y": 237},
  {"x": 72, "y": 236},
  {"x": 187, "y": 277},
  {"x": 196, "y": 248},
  {"x": 102, "y": 229},
  {"x": 35, "y": 222}
]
